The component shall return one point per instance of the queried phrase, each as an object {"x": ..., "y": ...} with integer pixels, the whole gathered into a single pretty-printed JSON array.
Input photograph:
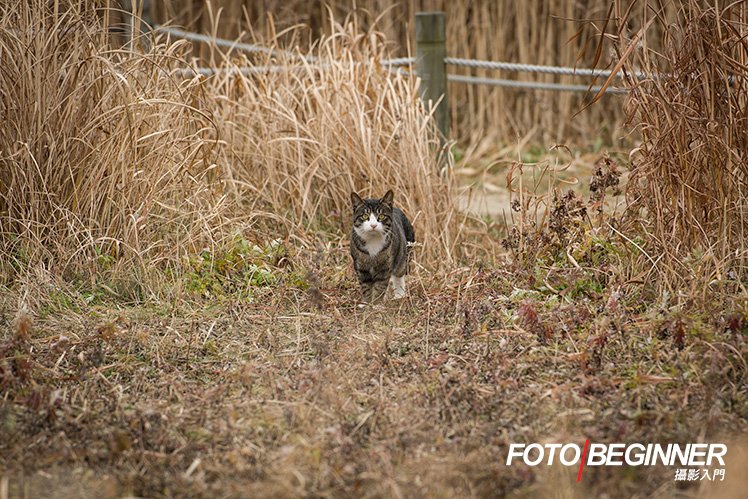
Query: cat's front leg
[
  {"x": 366, "y": 282},
  {"x": 398, "y": 286}
]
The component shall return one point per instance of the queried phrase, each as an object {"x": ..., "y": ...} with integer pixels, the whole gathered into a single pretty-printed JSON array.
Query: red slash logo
[{"x": 581, "y": 461}]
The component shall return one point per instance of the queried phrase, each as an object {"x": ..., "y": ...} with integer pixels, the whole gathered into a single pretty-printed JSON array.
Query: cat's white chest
[{"x": 375, "y": 244}]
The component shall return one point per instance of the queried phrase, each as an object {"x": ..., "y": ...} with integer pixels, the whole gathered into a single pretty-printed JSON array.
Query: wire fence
[
  {"x": 229, "y": 44},
  {"x": 396, "y": 65}
]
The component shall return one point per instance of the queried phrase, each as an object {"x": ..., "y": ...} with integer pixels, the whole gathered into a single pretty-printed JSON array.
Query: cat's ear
[
  {"x": 387, "y": 198},
  {"x": 356, "y": 201}
]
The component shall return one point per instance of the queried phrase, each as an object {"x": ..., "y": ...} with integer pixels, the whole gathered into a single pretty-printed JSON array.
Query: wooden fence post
[{"x": 431, "y": 49}]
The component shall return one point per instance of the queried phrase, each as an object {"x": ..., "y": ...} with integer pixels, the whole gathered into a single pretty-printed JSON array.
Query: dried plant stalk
[
  {"x": 689, "y": 175},
  {"x": 112, "y": 155},
  {"x": 550, "y": 32}
]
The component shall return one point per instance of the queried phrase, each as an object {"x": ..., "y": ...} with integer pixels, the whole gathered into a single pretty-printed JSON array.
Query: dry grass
[
  {"x": 302, "y": 140},
  {"x": 126, "y": 166},
  {"x": 292, "y": 395},
  {"x": 550, "y": 32},
  {"x": 689, "y": 175},
  {"x": 178, "y": 314},
  {"x": 106, "y": 157}
]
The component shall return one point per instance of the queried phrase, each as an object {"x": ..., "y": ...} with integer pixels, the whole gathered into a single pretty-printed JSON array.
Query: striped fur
[{"x": 380, "y": 246}]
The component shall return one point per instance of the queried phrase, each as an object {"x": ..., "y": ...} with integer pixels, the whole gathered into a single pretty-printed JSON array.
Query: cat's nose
[{"x": 373, "y": 225}]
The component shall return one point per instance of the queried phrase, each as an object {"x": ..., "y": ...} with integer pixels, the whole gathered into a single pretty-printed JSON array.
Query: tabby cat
[{"x": 380, "y": 245}]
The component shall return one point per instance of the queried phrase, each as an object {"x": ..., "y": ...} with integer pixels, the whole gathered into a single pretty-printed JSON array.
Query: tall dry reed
[
  {"x": 104, "y": 153},
  {"x": 115, "y": 160},
  {"x": 689, "y": 177},
  {"x": 302, "y": 140},
  {"x": 550, "y": 32}
]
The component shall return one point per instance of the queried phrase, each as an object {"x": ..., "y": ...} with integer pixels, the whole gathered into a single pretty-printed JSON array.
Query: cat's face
[{"x": 372, "y": 218}]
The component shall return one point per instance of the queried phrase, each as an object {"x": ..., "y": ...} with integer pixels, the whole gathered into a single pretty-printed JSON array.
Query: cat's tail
[
  {"x": 410, "y": 233},
  {"x": 410, "y": 238}
]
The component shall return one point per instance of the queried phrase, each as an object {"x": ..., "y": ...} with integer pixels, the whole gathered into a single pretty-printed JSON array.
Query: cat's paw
[{"x": 398, "y": 287}]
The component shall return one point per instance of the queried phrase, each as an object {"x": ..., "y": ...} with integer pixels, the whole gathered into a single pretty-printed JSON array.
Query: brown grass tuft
[
  {"x": 107, "y": 158},
  {"x": 689, "y": 176},
  {"x": 116, "y": 162},
  {"x": 22, "y": 325},
  {"x": 549, "y": 32},
  {"x": 302, "y": 140}
]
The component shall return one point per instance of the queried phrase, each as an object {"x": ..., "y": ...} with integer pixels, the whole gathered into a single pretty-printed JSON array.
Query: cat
[{"x": 381, "y": 240}]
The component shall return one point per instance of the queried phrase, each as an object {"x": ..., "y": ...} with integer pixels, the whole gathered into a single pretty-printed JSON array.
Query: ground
[{"x": 295, "y": 390}]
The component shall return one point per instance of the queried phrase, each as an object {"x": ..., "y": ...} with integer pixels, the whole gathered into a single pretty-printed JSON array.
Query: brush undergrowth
[
  {"x": 108, "y": 161},
  {"x": 127, "y": 166},
  {"x": 687, "y": 190},
  {"x": 179, "y": 316},
  {"x": 546, "y": 32}
]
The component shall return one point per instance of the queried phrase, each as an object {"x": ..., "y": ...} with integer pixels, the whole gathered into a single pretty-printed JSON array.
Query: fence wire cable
[
  {"x": 513, "y": 66},
  {"x": 476, "y": 80},
  {"x": 535, "y": 85},
  {"x": 221, "y": 42},
  {"x": 393, "y": 65},
  {"x": 399, "y": 61},
  {"x": 250, "y": 71},
  {"x": 260, "y": 70},
  {"x": 534, "y": 68}
]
